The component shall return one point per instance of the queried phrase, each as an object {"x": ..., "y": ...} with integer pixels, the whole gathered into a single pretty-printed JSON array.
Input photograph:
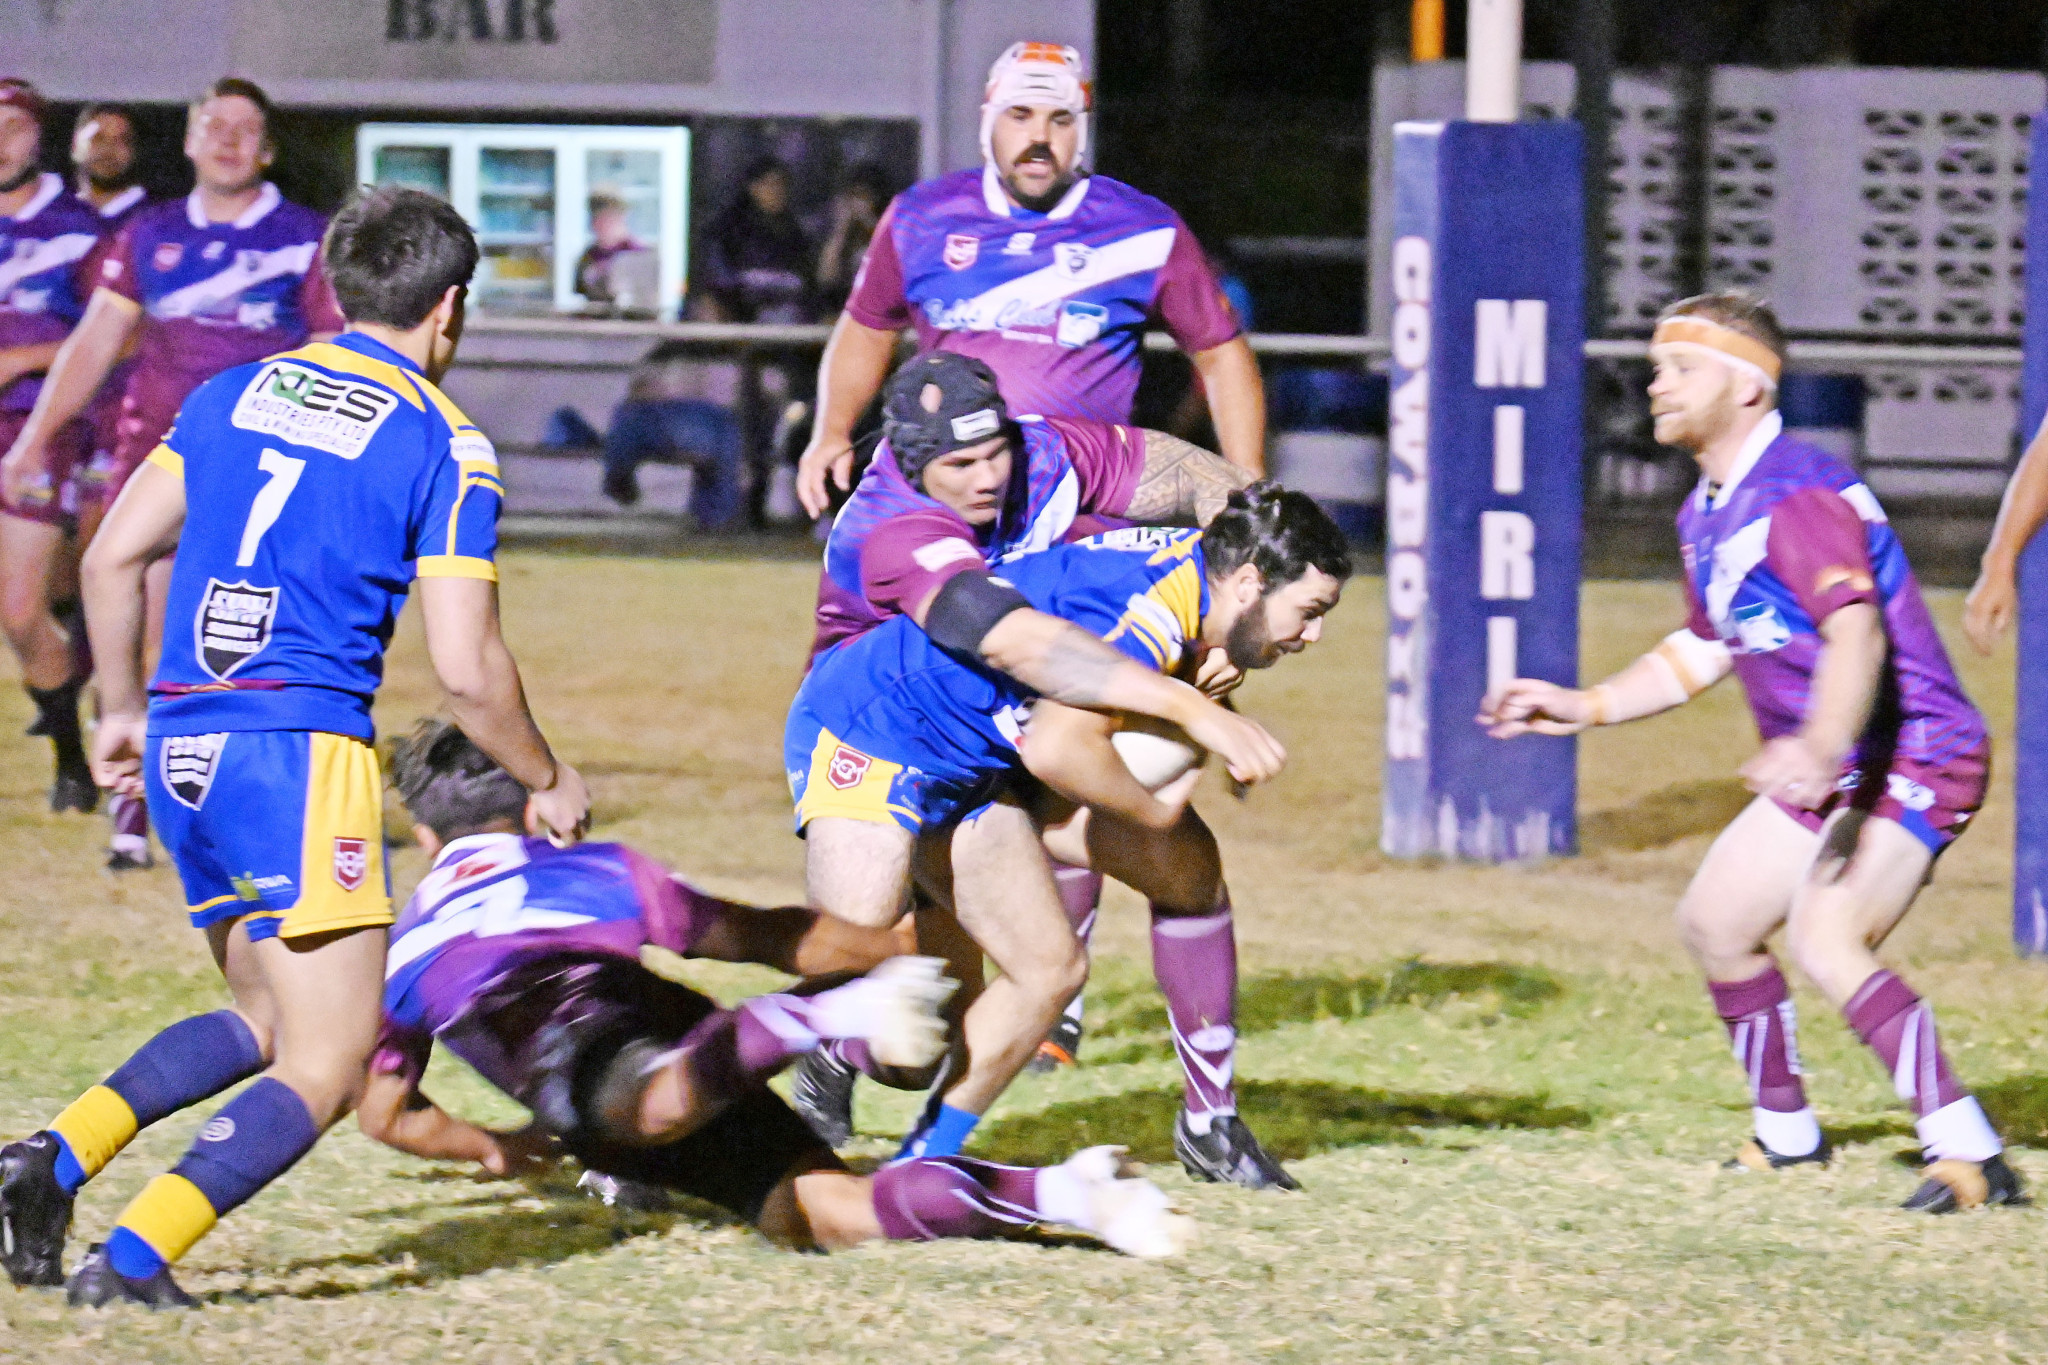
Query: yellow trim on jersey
[
  {"x": 1180, "y": 547},
  {"x": 455, "y": 566},
  {"x": 327, "y": 355},
  {"x": 168, "y": 460},
  {"x": 867, "y": 800},
  {"x": 344, "y": 800},
  {"x": 450, "y": 414},
  {"x": 1165, "y": 616}
]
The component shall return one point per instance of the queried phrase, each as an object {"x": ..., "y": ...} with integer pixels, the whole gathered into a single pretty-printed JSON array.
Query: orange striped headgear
[{"x": 1037, "y": 76}]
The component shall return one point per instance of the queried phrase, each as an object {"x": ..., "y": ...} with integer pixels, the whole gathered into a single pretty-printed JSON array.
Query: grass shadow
[
  {"x": 2018, "y": 1107},
  {"x": 1664, "y": 816},
  {"x": 1127, "y": 1019},
  {"x": 1292, "y": 1118},
  {"x": 1870, "y": 1130}
]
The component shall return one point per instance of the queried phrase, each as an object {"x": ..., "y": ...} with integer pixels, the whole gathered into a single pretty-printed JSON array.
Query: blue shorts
[
  {"x": 830, "y": 777},
  {"x": 283, "y": 828}
]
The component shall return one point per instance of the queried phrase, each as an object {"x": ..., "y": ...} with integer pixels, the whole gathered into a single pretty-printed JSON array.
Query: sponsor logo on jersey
[
  {"x": 847, "y": 768},
  {"x": 253, "y": 888},
  {"x": 937, "y": 555},
  {"x": 1760, "y": 628},
  {"x": 1081, "y": 323},
  {"x": 1908, "y": 793},
  {"x": 1020, "y": 244},
  {"x": 961, "y": 251},
  {"x": 168, "y": 254},
  {"x": 187, "y": 764},
  {"x": 29, "y": 300},
  {"x": 233, "y": 625},
  {"x": 258, "y": 316},
  {"x": 309, "y": 408},
  {"x": 215, "y": 249},
  {"x": 473, "y": 447},
  {"x": 351, "y": 862},
  {"x": 1073, "y": 257}
]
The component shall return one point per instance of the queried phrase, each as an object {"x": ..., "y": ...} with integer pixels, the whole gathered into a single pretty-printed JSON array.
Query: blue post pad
[{"x": 2030, "y": 738}]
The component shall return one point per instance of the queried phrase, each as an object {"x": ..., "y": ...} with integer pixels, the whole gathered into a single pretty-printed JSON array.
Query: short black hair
[
  {"x": 392, "y": 252},
  {"x": 451, "y": 786},
  {"x": 1281, "y": 533},
  {"x": 100, "y": 108},
  {"x": 237, "y": 87}
]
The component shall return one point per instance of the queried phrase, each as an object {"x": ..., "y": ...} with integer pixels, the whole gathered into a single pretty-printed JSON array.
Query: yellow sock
[
  {"x": 170, "y": 1214},
  {"x": 96, "y": 1127}
]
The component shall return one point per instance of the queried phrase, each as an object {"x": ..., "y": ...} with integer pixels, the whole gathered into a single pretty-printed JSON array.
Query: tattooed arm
[{"x": 1181, "y": 483}]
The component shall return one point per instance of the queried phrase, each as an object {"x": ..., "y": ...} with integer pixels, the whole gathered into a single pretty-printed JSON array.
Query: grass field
[{"x": 1504, "y": 1090}]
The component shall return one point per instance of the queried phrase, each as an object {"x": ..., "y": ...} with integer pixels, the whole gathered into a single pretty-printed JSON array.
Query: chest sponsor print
[
  {"x": 1081, "y": 323},
  {"x": 187, "y": 764},
  {"x": 233, "y": 625},
  {"x": 310, "y": 408},
  {"x": 1761, "y": 629}
]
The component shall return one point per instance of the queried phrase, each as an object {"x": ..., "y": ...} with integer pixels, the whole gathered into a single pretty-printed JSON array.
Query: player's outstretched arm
[
  {"x": 1070, "y": 750},
  {"x": 1680, "y": 668},
  {"x": 395, "y": 1112},
  {"x": 467, "y": 649},
  {"x": 850, "y": 374},
  {"x": 1237, "y": 402},
  {"x": 75, "y": 375},
  {"x": 1801, "y": 769},
  {"x": 1994, "y": 600},
  {"x": 1181, "y": 483},
  {"x": 141, "y": 528}
]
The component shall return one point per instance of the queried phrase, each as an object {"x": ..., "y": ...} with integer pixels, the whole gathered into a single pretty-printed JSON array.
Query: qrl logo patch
[
  {"x": 961, "y": 251},
  {"x": 1074, "y": 257},
  {"x": 351, "y": 862},
  {"x": 233, "y": 625},
  {"x": 309, "y": 408},
  {"x": 187, "y": 764},
  {"x": 167, "y": 256},
  {"x": 847, "y": 768}
]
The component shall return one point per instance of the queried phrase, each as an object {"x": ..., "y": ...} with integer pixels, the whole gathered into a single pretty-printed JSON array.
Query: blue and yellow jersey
[
  {"x": 318, "y": 484},
  {"x": 896, "y": 697}
]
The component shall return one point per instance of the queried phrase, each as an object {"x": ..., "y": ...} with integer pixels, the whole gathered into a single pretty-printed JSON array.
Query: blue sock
[
  {"x": 131, "y": 1257},
  {"x": 945, "y": 1135},
  {"x": 258, "y": 1136},
  {"x": 70, "y": 1174},
  {"x": 192, "y": 1060}
]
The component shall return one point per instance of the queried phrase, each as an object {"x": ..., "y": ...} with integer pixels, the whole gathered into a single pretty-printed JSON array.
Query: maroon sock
[
  {"x": 1081, "y": 894},
  {"x": 1758, "y": 1013},
  {"x": 129, "y": 815},
  {"x": 953, "y": 1196},
  {"x": 1195, "y": 961},
  {"x": 1899, "y": 1028}
]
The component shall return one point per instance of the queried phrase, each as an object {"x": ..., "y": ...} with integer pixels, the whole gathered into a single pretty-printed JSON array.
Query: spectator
[
  {"x": 611, "y": 237},
  {"x": 757, "y": 264},
  {"x": 855, "y": 211},
  {"x": 666, "y": 419}
]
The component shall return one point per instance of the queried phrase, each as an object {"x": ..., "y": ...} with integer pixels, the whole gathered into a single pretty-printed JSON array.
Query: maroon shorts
[
  {"x": 1933, "y": 803},
  {"x": 54, "y": 500},
  {"x": 136, "y": 432}
]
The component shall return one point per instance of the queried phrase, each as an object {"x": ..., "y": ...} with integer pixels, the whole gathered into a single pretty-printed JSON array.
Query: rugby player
[
  {"x": 524, "y": 960},
  {"x": 103, "y": 155},
  {"x": 303, "y": 495},
  {"x": 48, "y": 244},
  {"x": 227, "y": 275},
  {"x": 900, "y": 744},
  {"x": 1050, "y": 275},
  {"x": 1873, "y": 759}
]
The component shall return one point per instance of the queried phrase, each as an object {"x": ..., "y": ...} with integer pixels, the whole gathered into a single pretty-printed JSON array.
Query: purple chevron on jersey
[
  {"x": 48, "y": 253},
  {"x": 1793, "y": 538},
  {"x": 892, "y": 545},
  {"x": 1055, "y": 302}
]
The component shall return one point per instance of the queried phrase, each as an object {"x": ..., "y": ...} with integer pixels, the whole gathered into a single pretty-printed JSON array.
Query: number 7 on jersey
[{"x": 284, "y": 474}]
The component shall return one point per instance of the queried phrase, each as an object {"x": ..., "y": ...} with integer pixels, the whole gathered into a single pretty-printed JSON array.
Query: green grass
[{"x": 1503, "y": 1089}]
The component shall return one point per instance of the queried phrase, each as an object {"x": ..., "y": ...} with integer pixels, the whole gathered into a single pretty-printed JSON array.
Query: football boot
[
  {"x": 1952, "y": 1185},
  {"x": 1228, "y": 1153},
  {"x": 35, "y": 1212},
  {"x": 96, "y": 1283},
  {"x": 1062, "y": 1047},
  {"x": 821, "y": 1089},
  {"x": 1754, "y": 1156},
  {"x": 74, "y": 789}
]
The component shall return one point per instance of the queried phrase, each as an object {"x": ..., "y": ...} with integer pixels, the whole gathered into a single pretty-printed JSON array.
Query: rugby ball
[{"x": 1156, "y": 751}]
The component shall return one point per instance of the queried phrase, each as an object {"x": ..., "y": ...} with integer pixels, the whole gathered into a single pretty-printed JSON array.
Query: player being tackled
[{"x": 525, "y": 961}]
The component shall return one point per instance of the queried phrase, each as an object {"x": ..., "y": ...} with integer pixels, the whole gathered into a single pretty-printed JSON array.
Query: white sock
[
  {"x": 1958, "y": 1132},
  {"x": 1063, "y": 1198},
  {"x": 1200, "y": 1122},
  {"x": 1793, "y": 1134}
]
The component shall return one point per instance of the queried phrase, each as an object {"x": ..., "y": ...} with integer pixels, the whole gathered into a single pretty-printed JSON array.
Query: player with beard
[
  {"x": 902, "y": 745},
  {"x": 103, "y": 155},
  {"x": 227, "y": 275},
  {"x": 1873, "y": 759},
  {"x": 49, "y": 239},
  {"x": 526, "y": 961},
  {"x": 1049, "y": 274}
]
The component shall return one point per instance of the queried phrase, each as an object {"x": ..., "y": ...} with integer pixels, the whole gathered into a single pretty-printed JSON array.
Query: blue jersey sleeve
[{"x": 456, "y": 532}]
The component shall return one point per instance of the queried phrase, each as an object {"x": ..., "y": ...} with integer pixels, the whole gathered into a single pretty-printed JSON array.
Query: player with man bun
[{"x": 1873, "y": 760}]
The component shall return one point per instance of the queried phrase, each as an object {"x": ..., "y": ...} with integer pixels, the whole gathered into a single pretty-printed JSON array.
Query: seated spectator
[
  {"x": 666, "y": 418},
  {"x": 855, "y": 211},
  {"x": 610, "y": 238},
  {"x": 757, "y": 260}
]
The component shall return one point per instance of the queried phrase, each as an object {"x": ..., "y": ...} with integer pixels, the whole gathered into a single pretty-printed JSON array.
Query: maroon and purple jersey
[
  {"x": 495, "y": 902},
  {"x": 1056, "y": 303},
  {"x": 48, "y": 251},
  {"x": 105, "y": 412},
  {"x": 892, "y": 546},
  {"x": 1792, "y": 537},
  {"x": 212, "y": 296}
]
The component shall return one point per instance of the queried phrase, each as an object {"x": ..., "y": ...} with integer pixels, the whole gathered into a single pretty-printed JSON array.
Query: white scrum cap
[{"x": 1037, "y": 76}]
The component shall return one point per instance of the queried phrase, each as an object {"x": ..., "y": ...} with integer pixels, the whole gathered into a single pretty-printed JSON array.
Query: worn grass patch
[{"x": 1503, "y": 1090}]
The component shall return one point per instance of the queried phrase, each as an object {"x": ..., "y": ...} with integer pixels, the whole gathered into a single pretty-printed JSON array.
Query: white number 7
[{"x": 284, "y": 474}]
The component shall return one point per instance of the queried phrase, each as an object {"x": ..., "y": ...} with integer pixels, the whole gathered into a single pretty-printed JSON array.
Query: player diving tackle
[
  {"x": 904, "y": 747},
  {"x": 525, "y": 961},
  {"x": 1873, "y": 759}
]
